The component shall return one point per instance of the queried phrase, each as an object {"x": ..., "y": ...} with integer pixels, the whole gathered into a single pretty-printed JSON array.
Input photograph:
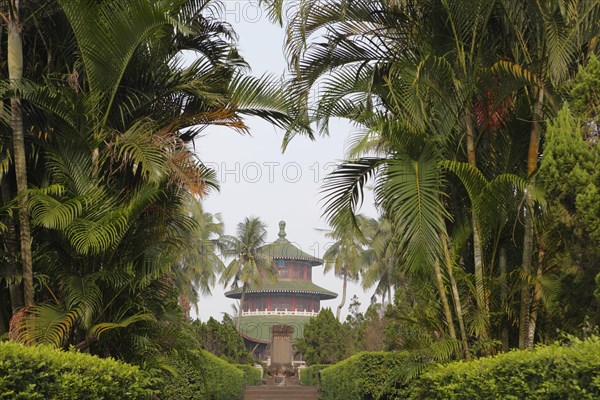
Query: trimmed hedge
[
  {"x": 223, "y": 380},
  {"x": 371, "y": 375},
  {"x": 187, "y": 384},
  {"x": 252, "y": 375},
  {"x": 39, "y": 372},
  {"x": 309, "y": 376},
  {"x": 550, "y": 372},
  {"x": 203, "y": 376}
]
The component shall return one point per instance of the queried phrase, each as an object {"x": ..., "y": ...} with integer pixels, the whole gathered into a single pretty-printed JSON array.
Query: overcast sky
[{"x": 257, "y": 179}]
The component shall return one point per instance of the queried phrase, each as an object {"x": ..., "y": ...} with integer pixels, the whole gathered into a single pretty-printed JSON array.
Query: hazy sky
[{"x": 256, "y": 179}]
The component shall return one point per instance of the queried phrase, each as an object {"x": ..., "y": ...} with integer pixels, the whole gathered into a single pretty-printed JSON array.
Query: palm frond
[{"x": 412, "y": 196}]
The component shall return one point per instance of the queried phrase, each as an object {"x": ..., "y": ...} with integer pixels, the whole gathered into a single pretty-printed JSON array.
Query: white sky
[{"x": 256, "y": 179}]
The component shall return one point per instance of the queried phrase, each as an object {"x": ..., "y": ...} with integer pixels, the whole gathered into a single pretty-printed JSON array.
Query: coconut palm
[
  {"x": 346, "y": 256},
  {"x": 196, "y": 270},
  {"x": 249, "y": 265},
  {"x": 382, "y": 261}
]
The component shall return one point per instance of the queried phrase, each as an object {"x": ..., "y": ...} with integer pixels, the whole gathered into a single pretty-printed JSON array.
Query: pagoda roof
[
  {"x": 257, "y": 328},
  {"x": 284, "y": 286},
  {"x": 283, "y": 249}
]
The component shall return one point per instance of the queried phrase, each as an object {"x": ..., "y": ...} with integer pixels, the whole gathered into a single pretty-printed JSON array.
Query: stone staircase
[{"x": 280, "y": 393}]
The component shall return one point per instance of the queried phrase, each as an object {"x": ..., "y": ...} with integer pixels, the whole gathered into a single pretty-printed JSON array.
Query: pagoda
[{"x": 292, "y": 300}]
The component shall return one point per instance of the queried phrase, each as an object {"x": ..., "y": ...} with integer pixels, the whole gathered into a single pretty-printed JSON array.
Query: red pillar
[
  {"x": 293, "y": 305},
  {"x": 269, "y": 304}
]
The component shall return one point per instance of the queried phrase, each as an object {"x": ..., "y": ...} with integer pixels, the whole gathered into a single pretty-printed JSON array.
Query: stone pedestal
[{"x": 282, "y": 353}]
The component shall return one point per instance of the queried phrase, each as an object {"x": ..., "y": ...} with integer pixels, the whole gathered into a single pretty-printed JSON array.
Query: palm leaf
[
  {"x": 48, "y": 324},
  {"x": 102, "y": 327},
  {"x": 343, "y": 190},
  {"x": 412, "y": 195}
]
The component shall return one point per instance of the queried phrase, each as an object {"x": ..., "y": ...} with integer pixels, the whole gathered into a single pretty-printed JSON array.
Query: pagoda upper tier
[
  {"x": 294, "y": 271},
  {"x": 283, "y": 249}
]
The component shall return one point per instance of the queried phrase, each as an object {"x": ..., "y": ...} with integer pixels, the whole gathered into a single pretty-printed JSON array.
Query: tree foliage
[
  {"x": 324, "y": 339},
  {"x": 442, "y": 92},
  {"x": 222, "y": 339},
  {"x": 110, "y": 108}
]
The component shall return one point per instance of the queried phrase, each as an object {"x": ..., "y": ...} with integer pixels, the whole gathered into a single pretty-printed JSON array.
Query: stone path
[{"x": 280, "y": 393}]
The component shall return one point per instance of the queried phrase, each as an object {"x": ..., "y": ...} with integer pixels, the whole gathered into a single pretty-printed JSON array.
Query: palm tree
[
  {"x": 553, "y": 40},
  {"x": 447, "y": 75},
  {"x": 346, "y": 256},
  {"x": 15, "y": 75},
  {"x": 382, "y": 261},
  {"x": 196, "y": 270},
  {"x": 117, "y": 171},
  {"x": 249, "y": 266},
  {"x": 431, "y": 78}
]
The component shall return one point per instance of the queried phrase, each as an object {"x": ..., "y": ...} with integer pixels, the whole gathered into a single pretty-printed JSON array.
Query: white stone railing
[{"x": 303, "y": 313}]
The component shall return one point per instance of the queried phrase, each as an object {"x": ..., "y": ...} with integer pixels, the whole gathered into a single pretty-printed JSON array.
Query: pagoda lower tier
[{"x": 281, "y": 304}]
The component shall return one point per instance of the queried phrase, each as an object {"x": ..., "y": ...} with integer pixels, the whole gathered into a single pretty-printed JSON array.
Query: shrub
[
  {"x": 222, "y": 339},
  {"x": 39, "y": 372},
  {"x": 550, "y": 372},
  {"x": 373, "y": 375},
  {"x": 324, "y": 339},
  {"x": 223, "y": 380},
  {"x": 203, "y": 376},
  {"x": 252, "y": 375},
  {"x": 309, "y": 376},
  {"x": 187, "y": 382}
]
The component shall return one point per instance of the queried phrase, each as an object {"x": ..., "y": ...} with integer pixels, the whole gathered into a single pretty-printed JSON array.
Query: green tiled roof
[
  {"x": 283, "y": 249},
  {"x": 285, "y": 286},
  {"x": 258, "y": 327}
]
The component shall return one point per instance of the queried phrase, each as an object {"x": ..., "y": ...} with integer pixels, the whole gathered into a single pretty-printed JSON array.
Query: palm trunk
[
  {"x": 456, "y": 297},
  {"x": 525, "y": 285},
  {"x": 526, "y": 262},
  {"x": 16, "y": 297},
  {"x": 481, "y": 295},
  {"x": 537, "y": 295},
  {"x": 3, "y": 324},
  {"x": 15, "y": 73},
  {"x": 504, "y": 298},
  {"x": 186, "y": 307},
  {"x": 11, "y": 246},
  {"x": 241, "y": 307},
  {"x": 444, "y": 299},
  {"x": 344, "y": 287}
]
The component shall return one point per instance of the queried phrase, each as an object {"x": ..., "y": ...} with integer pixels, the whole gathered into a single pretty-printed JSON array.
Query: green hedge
[
  {"x": 370, "y": 375},
  {"x": 37, "y": 372},
  {"x": 187, "y": 383},
  {"x": 223, "y": 380},
  {"x": 203, "y": 376},
  {"x": 252, "y": 375},
  {"x": 309, "y": 376},
  {"x": 550, "y": 372}
]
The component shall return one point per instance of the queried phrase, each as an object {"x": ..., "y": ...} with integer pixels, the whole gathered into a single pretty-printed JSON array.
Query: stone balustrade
[{"x": 297, "y": 312}]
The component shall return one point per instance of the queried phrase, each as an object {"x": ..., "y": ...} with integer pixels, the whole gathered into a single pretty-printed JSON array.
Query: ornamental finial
[{"x": 282, "y": 229}]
